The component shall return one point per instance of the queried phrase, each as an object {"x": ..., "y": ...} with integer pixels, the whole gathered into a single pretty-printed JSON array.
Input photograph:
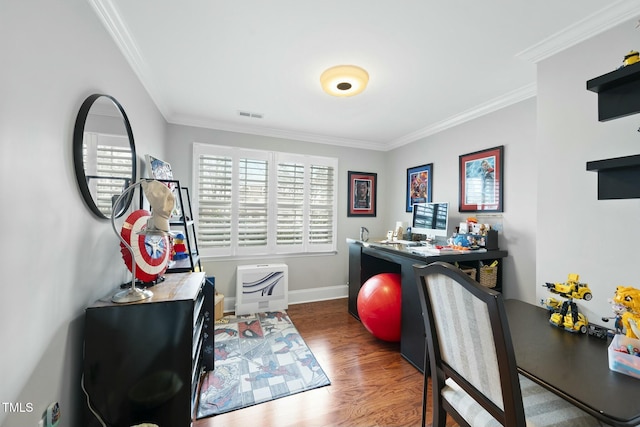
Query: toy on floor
[
  {"x": 626, "y": 306},
  {"x": 379, "y": 306},
  {"x": 566, "y": 314},
  {"x": 179, "y": 248}
]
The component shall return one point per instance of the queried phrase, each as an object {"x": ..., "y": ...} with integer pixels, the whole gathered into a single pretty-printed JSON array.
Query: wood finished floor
[{"x": 371, "y": 384}]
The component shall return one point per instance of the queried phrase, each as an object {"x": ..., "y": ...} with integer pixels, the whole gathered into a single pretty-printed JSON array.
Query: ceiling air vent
[{"x": 252, "y": 115}]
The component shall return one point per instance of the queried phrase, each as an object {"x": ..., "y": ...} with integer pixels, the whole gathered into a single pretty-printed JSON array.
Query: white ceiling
[{"x": 432, "y": 64}]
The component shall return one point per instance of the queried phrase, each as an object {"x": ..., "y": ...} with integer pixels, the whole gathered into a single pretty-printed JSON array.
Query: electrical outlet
[{"x": 53, "y": 415}]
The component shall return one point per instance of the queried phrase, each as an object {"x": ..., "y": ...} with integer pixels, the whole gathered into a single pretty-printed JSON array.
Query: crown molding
[
  {"x": 594, "y": 24},
  {"x": 513, "y": 97},
  {"x": 279, "y": 133},
  {"x": 110, "y": 17},
  {"x": 606, "y": 18}
]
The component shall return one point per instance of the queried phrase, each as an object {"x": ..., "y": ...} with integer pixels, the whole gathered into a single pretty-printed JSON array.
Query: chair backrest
[{"x": 468, "y": 341}]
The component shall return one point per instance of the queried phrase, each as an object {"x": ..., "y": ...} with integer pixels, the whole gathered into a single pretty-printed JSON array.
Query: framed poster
[
  {"x": 419, "y": 185},
  {"x": 481, "y": 183},
  {"x": 362, "y": 194}
]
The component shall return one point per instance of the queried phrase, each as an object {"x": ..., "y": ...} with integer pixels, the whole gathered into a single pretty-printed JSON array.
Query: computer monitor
[{"x": 430, "y": 219}]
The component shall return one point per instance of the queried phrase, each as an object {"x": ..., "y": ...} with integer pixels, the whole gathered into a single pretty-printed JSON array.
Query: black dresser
[{"x": 143, "y": 360}]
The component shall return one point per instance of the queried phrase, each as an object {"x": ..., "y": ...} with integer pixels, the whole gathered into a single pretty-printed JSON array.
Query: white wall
[
  {"x": 57, "y": 258},
  {"x": 513, "y": 127},
  {"x": 310, "y": 277},
  {"x": 577, "y": 233}
]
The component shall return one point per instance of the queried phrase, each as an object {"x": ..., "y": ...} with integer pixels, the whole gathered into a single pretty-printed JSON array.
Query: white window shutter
[
  {"x": 290, "y": 204},
  {"x": 259, "y": 202},
  {"x": 253, "y": 197},
  {"x": 214, "y": 200},
  {"x": 109, "y": 158}
]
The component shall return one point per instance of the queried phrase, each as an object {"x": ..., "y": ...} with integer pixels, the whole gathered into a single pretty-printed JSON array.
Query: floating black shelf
[
  {"x": 615, "y": 78},
  {"x": 618, "y": 92},
  {"x": 618, "y": 178},
  {"x": 615, "y": 163}
]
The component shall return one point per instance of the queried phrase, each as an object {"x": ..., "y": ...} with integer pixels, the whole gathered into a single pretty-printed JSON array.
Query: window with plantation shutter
[
  {"x": 260, "y": 202},
  {"x": 290, "y": 207},
  {"x": 214, "y": 188},
  {"x": 321, "y": 197},
  {"x": 108, "y": 167},
  {"x": 252, "y": 202}
]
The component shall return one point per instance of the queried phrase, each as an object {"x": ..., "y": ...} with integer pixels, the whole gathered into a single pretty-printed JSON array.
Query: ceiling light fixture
[{"x": 344, "y": 80}]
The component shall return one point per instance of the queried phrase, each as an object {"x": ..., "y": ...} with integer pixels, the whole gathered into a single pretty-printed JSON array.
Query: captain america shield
[{"x": 151, "y": 253}]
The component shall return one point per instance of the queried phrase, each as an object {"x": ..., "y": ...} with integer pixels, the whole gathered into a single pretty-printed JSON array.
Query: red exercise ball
[{"x": 379, "y": 306}]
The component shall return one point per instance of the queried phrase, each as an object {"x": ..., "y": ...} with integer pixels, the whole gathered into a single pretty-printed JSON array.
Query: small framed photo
[
  {"x": 362, "y": 194},
  {"x": 419, "y": 185},
  {"x": 481, "y": 181}
]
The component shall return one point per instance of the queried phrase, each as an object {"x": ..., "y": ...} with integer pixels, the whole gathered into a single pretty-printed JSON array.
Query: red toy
[{"x": 379, "y": 306}]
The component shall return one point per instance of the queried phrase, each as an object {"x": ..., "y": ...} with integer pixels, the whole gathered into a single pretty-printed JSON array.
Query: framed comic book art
[
  {"x": 481, "y": 181},
  {"x": 419, "y": 185},
  {"x": 362, "y": 194}
]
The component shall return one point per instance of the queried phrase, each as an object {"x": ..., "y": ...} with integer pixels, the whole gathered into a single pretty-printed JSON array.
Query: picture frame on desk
[
  {"x": 481, "y": 181},
  {"x": 419, "y": 185},
  {"x": 362, "y": 193}
]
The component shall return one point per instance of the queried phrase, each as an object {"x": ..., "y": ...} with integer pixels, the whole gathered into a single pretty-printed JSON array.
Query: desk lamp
[{"x": 162, "y": 202}]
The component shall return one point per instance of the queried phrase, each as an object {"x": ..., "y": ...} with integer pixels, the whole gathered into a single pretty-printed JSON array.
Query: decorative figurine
[
  {"x": 617, "y": 324},
  {"x": 179, "y": 248},
  {"x": 626, "y": 306},
  {"x": 566, "y": 314},
  {"x": 631, "y": 58}
]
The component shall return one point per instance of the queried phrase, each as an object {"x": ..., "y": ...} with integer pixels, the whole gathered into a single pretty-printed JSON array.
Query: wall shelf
[
  {"x": 618, "y": 177},
  {"x": 185, "y": 225},
  {"x": 618, "y": 92}
]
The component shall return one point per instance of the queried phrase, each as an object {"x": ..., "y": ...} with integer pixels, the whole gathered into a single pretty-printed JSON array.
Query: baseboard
[{"x": 302, "y": 296}]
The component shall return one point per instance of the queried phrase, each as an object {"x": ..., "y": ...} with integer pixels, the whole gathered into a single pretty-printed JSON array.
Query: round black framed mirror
[{"x": 104, "y": 154}]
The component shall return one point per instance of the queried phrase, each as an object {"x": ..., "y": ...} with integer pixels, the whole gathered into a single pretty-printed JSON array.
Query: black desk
[
  {"x": 366, "y": 259},
  {"x": 574, "y": 366}
]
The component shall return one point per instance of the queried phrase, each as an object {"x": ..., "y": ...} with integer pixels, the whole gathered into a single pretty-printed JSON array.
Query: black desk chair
[{"x": 473, "y": 368}]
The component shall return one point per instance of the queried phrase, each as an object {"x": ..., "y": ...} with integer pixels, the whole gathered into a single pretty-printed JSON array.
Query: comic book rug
[{"x": 257, "y": 358}]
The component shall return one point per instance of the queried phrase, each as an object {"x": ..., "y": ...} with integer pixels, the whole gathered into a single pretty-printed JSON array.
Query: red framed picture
[
  {"x": 481, "y": 181},
  {"x": 362, "y": 194}
]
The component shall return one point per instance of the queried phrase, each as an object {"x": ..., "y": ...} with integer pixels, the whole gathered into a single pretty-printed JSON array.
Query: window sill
[{"x": 213, "y": 258}]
